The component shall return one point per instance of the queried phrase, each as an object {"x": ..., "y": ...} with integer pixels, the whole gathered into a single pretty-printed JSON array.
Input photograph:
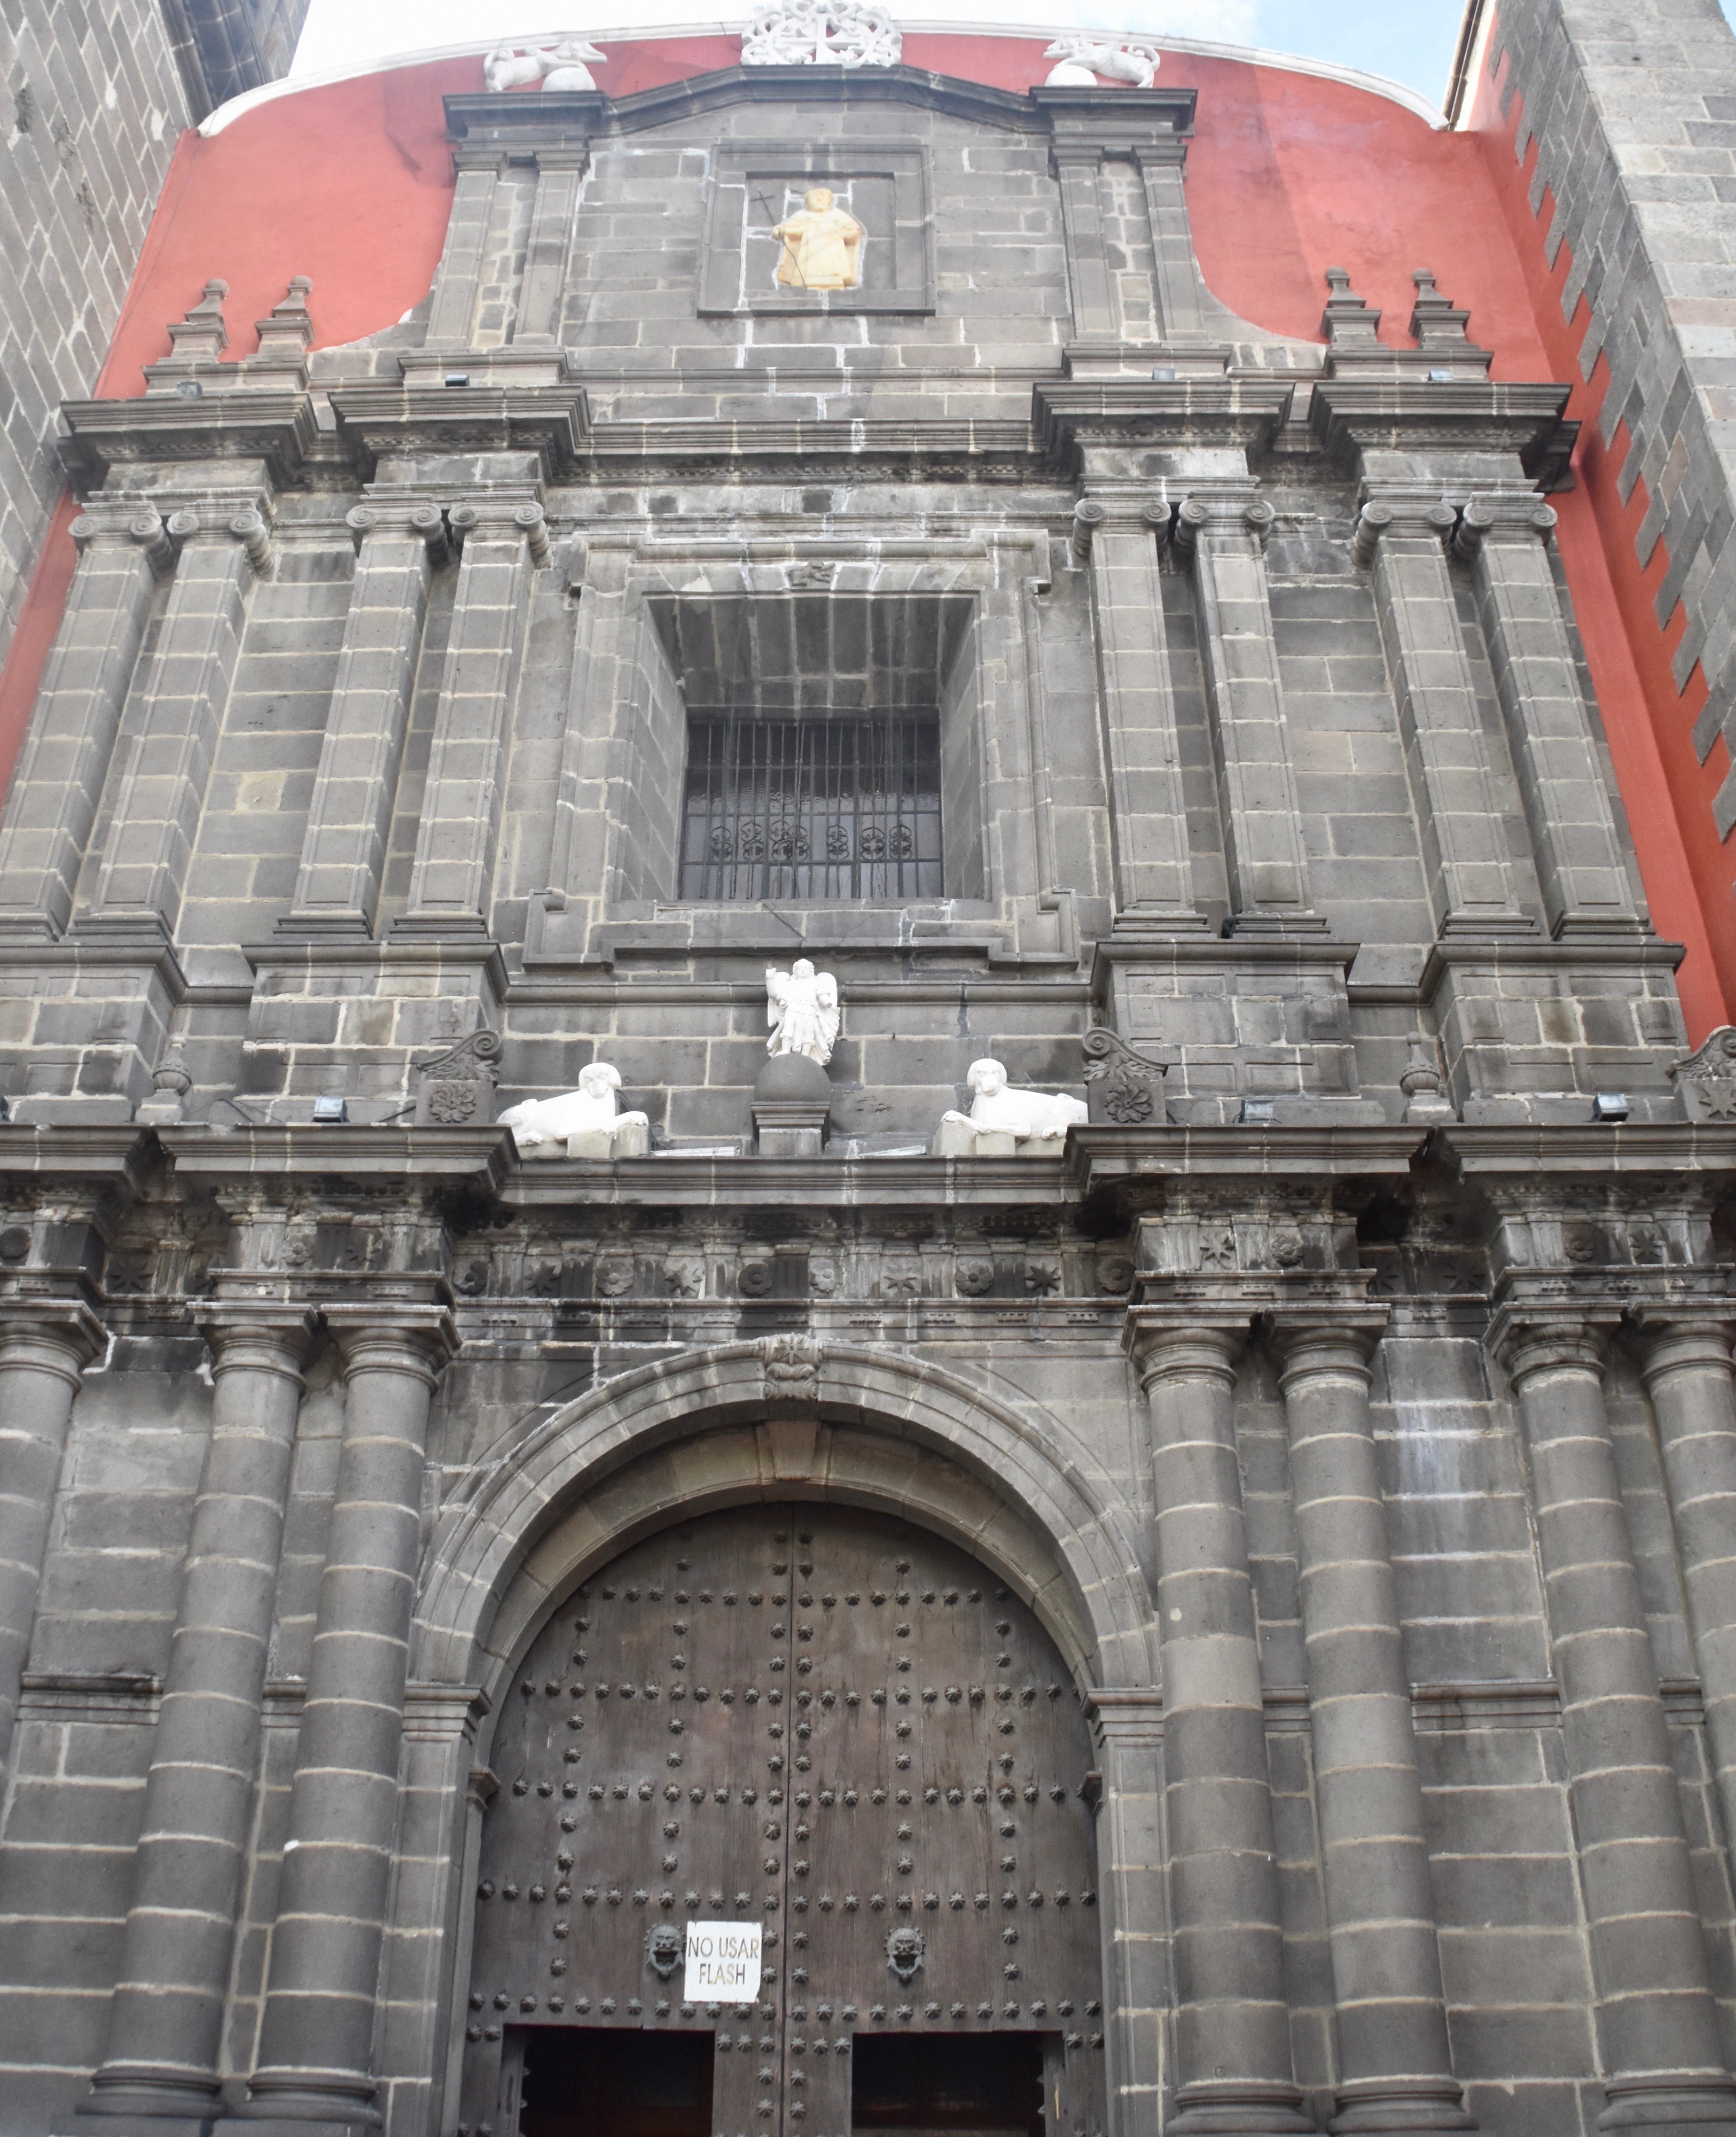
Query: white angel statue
[
  {"x": 801, "y": 1007},
  {"x": 1007, "y": 1123},
  {"x": 581, "y": 1123}
]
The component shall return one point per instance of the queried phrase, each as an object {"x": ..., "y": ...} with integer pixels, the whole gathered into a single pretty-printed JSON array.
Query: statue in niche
[
  {"x": 581, "y": 1123},
  {"x": 822, "y": 244},
  {"x": 801, "y": 1007},
  {"x": 1007, "y": 1123}
]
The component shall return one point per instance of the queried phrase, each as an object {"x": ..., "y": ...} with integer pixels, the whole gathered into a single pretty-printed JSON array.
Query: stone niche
[{"x": 754, "y": 187}]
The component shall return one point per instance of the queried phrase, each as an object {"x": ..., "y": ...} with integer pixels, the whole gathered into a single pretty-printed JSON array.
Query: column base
[
  {"x": 1399, "y": 2104},
  {"x": 1684, "y": 2105},
  {"x": 1228, "y": 2107},
  {"x": 277, "y": 2125},
  {"x": 156, "y": 2104}
]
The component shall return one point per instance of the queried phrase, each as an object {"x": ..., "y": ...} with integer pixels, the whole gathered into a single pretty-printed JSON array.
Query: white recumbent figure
[
  {"x": 1082, "y": 61},
  {"x": 581, "y": 1123},
  {"x": 1003, "y": 1122}
]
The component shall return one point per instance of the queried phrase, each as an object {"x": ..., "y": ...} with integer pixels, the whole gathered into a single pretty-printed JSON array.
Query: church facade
[{"x": 1070, "y": 1466}]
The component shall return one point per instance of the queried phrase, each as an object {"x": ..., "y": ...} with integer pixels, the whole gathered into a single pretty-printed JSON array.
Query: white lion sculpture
[
  {"x": 1007, "y": 1123},
  {"x": 581, "y": 1123},
  {"x": 1082, "y": 62},
  {"x": 551, "y": 66}
]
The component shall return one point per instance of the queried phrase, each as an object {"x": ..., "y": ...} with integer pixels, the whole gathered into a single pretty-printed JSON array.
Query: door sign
[{"x": 722, "y": 1962}]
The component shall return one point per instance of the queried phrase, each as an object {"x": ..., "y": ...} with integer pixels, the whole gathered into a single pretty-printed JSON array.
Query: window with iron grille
[{"x": 831, "y": 808}]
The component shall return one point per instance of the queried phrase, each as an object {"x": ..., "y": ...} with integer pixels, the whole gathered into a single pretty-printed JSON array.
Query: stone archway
[{"x": 829, "y": 1729}]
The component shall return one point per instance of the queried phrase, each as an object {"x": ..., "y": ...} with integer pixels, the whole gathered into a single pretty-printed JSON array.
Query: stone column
[
  {"x": 163, "y": 2054},
  {"x": 162, "y": 787},
  {"x": 343, "y": 850},
  {"x": 559, "y": 177},
  {"x": 1233, "y": 2071},
  {"x": 1225, "y": 536},
  {"x": 317, "y": 2032},
  {"x": 1657, "y": 2022},
  {"x": 458, "y": 279},
  {"x": 454, "y": 870},
  {"x": 1148, "y": 816},
  {"x": 1585, "y": 884},
  {"x": 1446, "y": 751},
  {"x": 1097, "y": 314},
  {"x": 59, "y": 779},
  {"x": 1686, "y": 1363},
  {"x": 1395, "y": 2063},
  {"x": 1127, "y": 1728},
  {"x": 1181, "y": 295},
  {"x": 45, "y": 1346}
]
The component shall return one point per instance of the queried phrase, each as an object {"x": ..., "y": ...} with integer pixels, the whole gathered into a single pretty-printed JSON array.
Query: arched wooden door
[{"x": 839, "y": 1730}]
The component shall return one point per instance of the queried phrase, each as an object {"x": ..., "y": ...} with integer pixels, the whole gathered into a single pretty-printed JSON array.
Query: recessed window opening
[
  {"x": 812, "y": 809},
  {"x": 832, "y": 746}
]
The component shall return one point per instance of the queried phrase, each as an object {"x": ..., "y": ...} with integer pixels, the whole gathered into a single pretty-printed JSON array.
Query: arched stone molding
[{"x": 873, "y": 1427}]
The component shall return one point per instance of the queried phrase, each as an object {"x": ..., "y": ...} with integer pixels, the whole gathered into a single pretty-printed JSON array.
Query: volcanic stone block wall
[
  {"x": 1633, "y": 111},
  {"x": 79, "y": 179}
]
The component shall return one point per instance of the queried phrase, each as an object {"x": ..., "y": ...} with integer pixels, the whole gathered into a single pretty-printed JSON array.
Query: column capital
[
  {"x": 398, "y": 518},
  {"x": 261, "y": 1336},
  {"x": 1306, "y": 1343},
  {"x": 1530, "y": 1339},
  {"x": 485, "y": 517},
  {"x": 1670, "y": 1337},
  {"x": 1399, "y": 514},
  {"x": 1510, "y": 519},
  {"x": 1237, "y": 512},
  {"x": 394, "y": 1337},
  {"x": 1185, "y": 1343},
  {"x": 124, "y": 526},
  {"x": 57, "y": 1335}
]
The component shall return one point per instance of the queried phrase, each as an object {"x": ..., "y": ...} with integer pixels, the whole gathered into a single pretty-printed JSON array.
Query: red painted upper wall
[{"x": 1288, "y": 174}]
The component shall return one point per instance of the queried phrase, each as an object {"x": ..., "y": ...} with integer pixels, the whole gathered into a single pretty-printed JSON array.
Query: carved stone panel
[{"x": 830, "y": 1724}]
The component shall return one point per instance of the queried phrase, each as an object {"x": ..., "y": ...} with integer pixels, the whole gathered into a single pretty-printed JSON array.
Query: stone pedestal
[{"x": 792, "y": 1107}]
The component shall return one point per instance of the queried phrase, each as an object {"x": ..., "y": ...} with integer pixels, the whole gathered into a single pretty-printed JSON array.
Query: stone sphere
[{"x": 793, "y": 1076}]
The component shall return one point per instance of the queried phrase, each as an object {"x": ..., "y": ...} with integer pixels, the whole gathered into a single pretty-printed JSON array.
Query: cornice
[
  {"x": 1099, "y": 1160},
  {"x": 1070, "y": 413},
  {"x": 427, "y": 1156},
  {"x": 1524, "y": 1150},
  {"x": 1000, "y": 450},
  {"x": 116, "y": 1155},
  {"x": 553, "y": 421},
  {"x": 1351, "y": 415},
  {"x": 275, "y": 426}
]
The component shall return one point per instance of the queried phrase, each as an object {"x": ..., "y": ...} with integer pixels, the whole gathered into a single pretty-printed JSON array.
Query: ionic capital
[
  {"x": 107, "y": 527},
  {"x": 1218, "y": 518},
  {"x": 491, "y": 519},
  {"x": 427, "y": 523},
  {"x": 1399, "y": 517},
  {"x": 1502, "y": 519}
]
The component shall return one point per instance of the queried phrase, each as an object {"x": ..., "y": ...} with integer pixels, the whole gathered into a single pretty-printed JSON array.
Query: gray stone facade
[
  {"x": 1632, "y": 110},
  {"x": 1352, "y": 1400}
]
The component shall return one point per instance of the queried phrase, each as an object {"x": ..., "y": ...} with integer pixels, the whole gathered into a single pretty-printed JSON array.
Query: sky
[{"x": 1408, "y": 41}]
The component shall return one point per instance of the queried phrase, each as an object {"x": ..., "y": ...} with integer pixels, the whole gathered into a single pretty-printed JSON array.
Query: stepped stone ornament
[
  {"x": 1123, "y": 1088},
  {"x": 801, "y": 1007},
  {"x": 1007, "y": 1123},
  {"x": 822, "y": 244},
  {"x": 581, "y": 1123},
  {"x": 821, "y": 33},
  {"x": 1706, "y": 1079},
  {"x": 1082, "y": 60},
  {"x": 456, "y": 1088},
  {"x": 558, "y": 66}
]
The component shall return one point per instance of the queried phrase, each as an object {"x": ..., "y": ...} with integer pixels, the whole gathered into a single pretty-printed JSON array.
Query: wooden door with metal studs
[{"x": 793, "y": 1838}]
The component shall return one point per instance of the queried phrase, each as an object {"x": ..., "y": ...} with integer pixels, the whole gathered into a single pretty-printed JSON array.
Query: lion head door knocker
[
  {"x": 664, "y": 1950},
  {"x": 904, "y": 1953}
]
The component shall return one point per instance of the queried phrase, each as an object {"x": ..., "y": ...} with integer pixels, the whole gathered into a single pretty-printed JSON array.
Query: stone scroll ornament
[
  {"x": 821, "y": 33},
  {"x": 456, "y": 1088},
  {"x": 566, "y": 65},
  {"x": 1082, "y": 61},
  {"x": 1003, "y": 1122},
  {"x": 581, "y": 1123},
  {"x": 1706, "y": 1080},
  {"x": 1122, "y": 1087}
]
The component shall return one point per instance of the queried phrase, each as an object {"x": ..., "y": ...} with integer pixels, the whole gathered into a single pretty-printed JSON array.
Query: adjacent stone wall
[{"x": 1632, "y": 108}]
